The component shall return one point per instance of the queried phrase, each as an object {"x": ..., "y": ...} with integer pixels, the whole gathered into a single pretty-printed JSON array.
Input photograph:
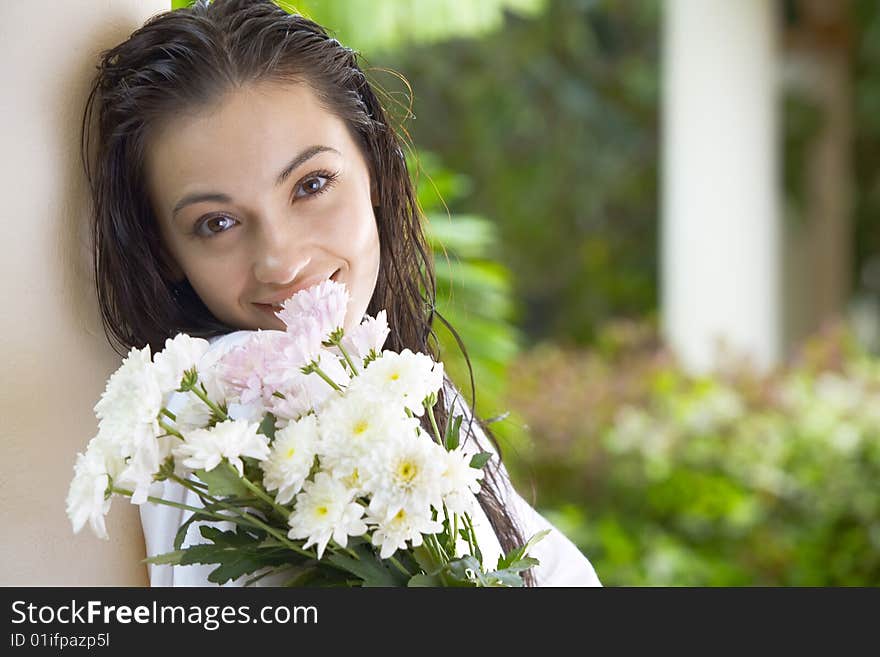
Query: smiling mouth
[{"x": 273, "y": 308}]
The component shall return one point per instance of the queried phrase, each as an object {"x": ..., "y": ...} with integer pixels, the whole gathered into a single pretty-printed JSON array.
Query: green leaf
[
  {"x": 237, "y": 538},
  {"x": 518, "y": 555},
  {"x": 421, "y": 579},
  {"x": 242, "y": 564},
  {"x": 480, "y": 459},
  {"x": 368, "y": 567},
  {"x": 237, "y": 553},
  {"x": 504, "y": 578},
  {"x": 316, "y": 576},
  {"x": 267, "y": 427},
  {"x": 520, "y": 565},
  {"x": 425, "y": 559},
  {"x": 181, "y": 531},
  {"x": 302, "y": 577},
  {"x": 463, "y": 571},
  {"x": 453, "y": 428},
  {"x": 223, "y": 481}
]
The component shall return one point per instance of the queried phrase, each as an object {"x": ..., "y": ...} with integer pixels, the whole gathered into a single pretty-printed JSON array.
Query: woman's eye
[
  {"x": 214, "y": 226},
  {"x": 314, "y": 185}
]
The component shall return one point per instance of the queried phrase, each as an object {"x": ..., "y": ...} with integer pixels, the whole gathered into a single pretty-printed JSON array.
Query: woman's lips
[
  {"x": 276, "y": 307},
  {"x": 269, "y": 308}
]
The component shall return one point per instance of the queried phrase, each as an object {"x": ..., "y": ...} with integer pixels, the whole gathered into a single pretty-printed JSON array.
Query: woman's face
[{"x": 260, "y": 196}]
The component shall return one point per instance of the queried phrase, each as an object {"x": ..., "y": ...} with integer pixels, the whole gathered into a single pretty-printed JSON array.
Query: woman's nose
[{"x": 277, "y": 259}]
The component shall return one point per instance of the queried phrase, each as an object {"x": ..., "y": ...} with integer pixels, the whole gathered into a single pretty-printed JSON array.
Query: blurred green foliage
[
  {"x": 733, "y": 479},
  {"x": 866, "y": 142},
  {"x": 553, "y": 118},
  {"x": 474, "y": 293},
  {"x": 372, "y": 26},
  {"x": 376, "y": 26}
]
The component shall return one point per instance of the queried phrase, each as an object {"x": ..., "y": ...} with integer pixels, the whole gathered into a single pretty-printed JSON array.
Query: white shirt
[{"x": 561, "y": 562}]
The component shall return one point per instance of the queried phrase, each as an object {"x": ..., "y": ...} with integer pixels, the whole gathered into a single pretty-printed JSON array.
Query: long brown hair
[{"x": 187, "y": 59}]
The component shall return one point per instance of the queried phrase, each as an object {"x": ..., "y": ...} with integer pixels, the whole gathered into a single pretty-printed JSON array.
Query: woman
[{"x": 241, "y": 155}]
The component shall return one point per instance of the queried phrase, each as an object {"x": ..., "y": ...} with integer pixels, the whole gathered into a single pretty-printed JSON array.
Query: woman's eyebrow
[
  {"x": 307, "y": 154},
  {"x": 219, "y": 197}
]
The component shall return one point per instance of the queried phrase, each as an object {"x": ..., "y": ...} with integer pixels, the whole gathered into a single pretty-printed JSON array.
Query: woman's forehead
[{"x": 247, "y": 137}]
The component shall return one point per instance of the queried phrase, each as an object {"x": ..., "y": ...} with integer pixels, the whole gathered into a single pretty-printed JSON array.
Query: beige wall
[{"x": 53, "y": 352}]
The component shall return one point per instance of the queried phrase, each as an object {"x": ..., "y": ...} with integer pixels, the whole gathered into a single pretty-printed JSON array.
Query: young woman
[{"x": 241, "y": 155}]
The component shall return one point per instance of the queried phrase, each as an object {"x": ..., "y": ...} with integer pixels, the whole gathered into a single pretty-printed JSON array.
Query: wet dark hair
[{"x": 185, "y": 60}]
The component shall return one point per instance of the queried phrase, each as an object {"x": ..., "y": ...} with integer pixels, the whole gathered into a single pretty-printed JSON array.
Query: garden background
[{"x": 536, "y": 143}]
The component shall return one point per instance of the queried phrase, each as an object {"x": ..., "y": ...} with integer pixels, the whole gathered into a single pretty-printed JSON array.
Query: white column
[
  {"x": 55, "y": 358},
  {"x": 720, "y": 217}
]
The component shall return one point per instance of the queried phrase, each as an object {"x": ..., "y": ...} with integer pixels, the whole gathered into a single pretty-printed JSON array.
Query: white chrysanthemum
[
  {"x": 366, "y": 338},
  {"x": 128, "y": 424},
  {"x": 203, "y": 449},
  {"x": 181, "y": 353},
  {"x": 325, "y": 509},
  {"x": 86, "y": 500},
  {"x": 353, "y": 428},
  {"x": 460, "y": 481},
  {"x": 321, "y": 307},
  {"x": 397, "y": 526},
  {"x": 131, "y": 402},
  {"x": 403, "y": 379},
  {"x": 141, "y": 467},
  {"x": 291, "y": 458},
  {"x": 408, "y": 472},
  {"x": 189, "y": 411}
]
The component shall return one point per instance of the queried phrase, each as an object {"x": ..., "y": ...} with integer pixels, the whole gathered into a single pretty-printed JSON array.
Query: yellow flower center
[
  {"x": 394, "y": 376},
  {"x": 407, "y": 471},
  {"x": 361, "y": 426},
  {"x": 354, "y": 479},
  {"x": 321, "y": 511},
  {"x": 290, "y": 453}
]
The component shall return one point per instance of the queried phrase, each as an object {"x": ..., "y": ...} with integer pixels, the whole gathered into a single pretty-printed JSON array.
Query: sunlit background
[{"x": 656, "y": 229}]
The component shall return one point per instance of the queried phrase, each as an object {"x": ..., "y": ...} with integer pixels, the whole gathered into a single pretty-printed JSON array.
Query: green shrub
[{"x": 663, "y": 478}]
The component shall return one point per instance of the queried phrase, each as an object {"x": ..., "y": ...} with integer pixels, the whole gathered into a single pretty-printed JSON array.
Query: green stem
[
  {"x": 270, "y": 530},
  {"x": 345, "y": 355},
  {"x": 434, "y": 425},
  {"x": 168, "y": 413},
  {"x": 451, "y": 544},
  {"x": 256, "y": 490},
  {"x": 399, "y": 566},
  {"x": 470, "y": 534},
  {"x": 190, "y": 485},
  {"x": 441, "y": 550},
  {"x": 177, "y": 505},
  {"x": 214, "y": 408},
  {"x": 171, "y": 431},
  {"x": 248, "y": 518},
  {"x": 317, "y": 370}
]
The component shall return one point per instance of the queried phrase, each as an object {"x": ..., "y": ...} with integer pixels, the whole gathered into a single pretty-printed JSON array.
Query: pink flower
[
  {"x": 316, "y": 311},
  {"x": 369, "y": 335},
  {"x": 244, "y": 369}
]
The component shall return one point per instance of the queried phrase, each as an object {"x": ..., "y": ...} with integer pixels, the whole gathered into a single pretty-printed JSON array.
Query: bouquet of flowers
[{"x": 309, "y": 442}]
